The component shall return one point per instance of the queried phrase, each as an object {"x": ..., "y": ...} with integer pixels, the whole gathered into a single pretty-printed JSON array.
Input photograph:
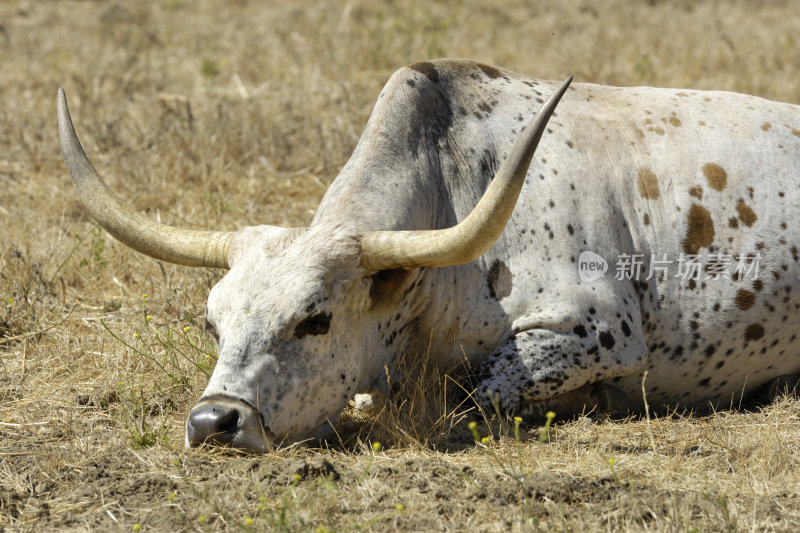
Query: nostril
[
  {"x": 212, "y": 422},
  {"x": 228, "y": 422}
]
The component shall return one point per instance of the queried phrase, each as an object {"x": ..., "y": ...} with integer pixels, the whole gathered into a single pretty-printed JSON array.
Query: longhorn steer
[{"x": 649, "y": 178}]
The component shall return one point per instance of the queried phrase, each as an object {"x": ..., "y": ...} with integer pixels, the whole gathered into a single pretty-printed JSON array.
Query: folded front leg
[{"x": 542, "y": 370}]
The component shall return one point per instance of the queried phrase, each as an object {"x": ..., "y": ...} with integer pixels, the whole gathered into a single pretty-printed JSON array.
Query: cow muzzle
[{"x": 226, "y": 421}]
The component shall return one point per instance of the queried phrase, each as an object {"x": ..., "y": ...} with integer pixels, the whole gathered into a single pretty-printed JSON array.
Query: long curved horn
[
  {"x": 181, "y": 246},
  {"x": 473, "y": 236}
]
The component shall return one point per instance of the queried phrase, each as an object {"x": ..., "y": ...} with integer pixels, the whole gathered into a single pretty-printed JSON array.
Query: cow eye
[{"x": 317, "y": 324}]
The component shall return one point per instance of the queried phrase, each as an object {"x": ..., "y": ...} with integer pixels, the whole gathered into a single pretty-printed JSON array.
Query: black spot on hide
[{"x": 499, "y": 280}]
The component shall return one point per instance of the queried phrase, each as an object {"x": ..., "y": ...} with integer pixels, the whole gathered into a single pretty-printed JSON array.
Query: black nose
[{"x": 213, "y": 423}]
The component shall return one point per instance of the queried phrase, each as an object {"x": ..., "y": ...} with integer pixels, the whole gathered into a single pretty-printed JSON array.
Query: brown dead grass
[{"x": 221, "y": 114}]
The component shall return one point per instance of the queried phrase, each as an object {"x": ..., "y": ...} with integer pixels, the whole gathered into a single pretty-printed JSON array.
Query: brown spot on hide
[
  {"x": 700, "y": 230},
  {"x": 490, "y": 71},
  {"x": 744, "y": 299},
  {"x": 424, "y": 67},
  {"x": 716, "y": 176},
  {"x": 386, "y": 285},
  {"x": 766, "y": 126},
  {"x": 697, "y": 192},
  {"x": 746, "y": 214},
  {"x": 753, "y": 332},
  {"x": 648, "y": 184},
  {"x": 795, "y": 132},
  {"x": 733, "y": 223},
  {"x": 675, "y": 121},
  {"x": 646, "y": 219}
]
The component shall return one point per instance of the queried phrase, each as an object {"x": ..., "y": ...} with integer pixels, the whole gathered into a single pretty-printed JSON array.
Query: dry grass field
[{"x": 219, "y": 114}]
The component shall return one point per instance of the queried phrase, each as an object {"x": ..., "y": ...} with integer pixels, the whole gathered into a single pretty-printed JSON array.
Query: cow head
[{"x": 294, "y": 318}]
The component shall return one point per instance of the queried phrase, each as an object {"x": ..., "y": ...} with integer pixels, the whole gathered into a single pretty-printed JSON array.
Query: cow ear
[{"x": 388, "y": 286}]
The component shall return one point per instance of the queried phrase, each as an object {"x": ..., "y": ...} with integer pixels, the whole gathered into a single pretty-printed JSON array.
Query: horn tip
[{"x": 63, "y": 110}]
